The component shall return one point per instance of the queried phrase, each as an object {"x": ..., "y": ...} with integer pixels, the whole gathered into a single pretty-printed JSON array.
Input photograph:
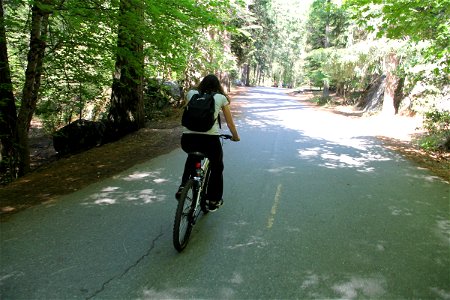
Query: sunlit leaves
[
  {"x": 415, "y": 20},
  {"x": 327, "y": 23},
  {"x": 82, "y": 43}
]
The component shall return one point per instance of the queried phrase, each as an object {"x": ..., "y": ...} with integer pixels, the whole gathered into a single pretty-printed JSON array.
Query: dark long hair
[{"x": 211, "y": 84}]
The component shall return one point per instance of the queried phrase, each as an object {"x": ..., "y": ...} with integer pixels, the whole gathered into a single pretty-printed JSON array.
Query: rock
[
  {"x": 79, "y": 136},
  {"x": 174, "y": 89},
  {"x": 373, "y": 98},
  {"x": 445, "y": 145}
]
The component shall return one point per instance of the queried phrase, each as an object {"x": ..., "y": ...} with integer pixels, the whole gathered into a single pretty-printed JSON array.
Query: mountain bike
[{"x": 192, "y": 200}]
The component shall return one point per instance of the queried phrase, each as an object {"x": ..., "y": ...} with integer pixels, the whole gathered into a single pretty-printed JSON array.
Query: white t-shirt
[{"x": 220, "y": 101}]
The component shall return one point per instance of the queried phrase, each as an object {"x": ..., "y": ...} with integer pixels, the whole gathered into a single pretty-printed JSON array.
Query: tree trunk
[
  {"x": 326, "y": 83},
  {"x": 326, "y": 89},
  {"x": 399, "y": 94},
  {"x": 244, "y": 74},
  {"x": 8, "y": 113},
  {"x": 247, "y": 73},
  {"x": 126, "y": 113},
  {"x": 38, "y": 35},
  {"x": 391, "y": 64}
]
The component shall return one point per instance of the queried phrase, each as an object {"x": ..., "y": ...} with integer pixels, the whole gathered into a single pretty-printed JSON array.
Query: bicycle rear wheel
[{"x": 184, "y": 217}]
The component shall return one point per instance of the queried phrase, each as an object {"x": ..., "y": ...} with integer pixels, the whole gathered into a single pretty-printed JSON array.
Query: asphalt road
[{"x": 314, "y": 208}]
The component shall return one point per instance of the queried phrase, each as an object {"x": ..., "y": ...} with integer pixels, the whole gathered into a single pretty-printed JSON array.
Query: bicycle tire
[
  {"x": 203, "y": 204},
  {"x": 183, "y": 217}
]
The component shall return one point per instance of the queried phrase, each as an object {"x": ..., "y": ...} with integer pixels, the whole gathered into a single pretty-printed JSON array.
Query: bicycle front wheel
[{"x": 184, "y": 217}]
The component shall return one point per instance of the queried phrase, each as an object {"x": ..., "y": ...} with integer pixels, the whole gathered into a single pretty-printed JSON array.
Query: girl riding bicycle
[{"x": 209, "y": 142}]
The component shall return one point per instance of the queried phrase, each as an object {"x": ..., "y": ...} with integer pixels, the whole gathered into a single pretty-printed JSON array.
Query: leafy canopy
[{"x": 416, "y": 20}]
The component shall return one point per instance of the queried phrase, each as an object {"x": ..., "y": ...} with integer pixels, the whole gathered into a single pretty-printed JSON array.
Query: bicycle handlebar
[{"x": 226, "y": 136}]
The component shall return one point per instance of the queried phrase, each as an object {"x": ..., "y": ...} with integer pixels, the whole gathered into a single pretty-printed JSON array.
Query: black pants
[{"x": 210, "y": 146}]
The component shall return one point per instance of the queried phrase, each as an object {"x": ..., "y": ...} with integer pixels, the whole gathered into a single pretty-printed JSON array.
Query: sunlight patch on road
[
  {"x": 105, "y": 201},
  {"x": 149, "y": 196},
  {"x": 355, "y": 288},
  {"x": 358, "y": 287},
  {"x": 139, "y": 175},
  {"x": 256, "y": 241},
  {"x": 443, "y": 294},
  {"x": 311, "y": 152},
  {"x": 110, "y": 189},
  {"x": 170, "y": 293},
  {"x": 426, "y": 177},
  {"x": 237, "y": 278},
  {"x": 331, "y": 160},
  {"x": 115, "y": 195},
  {"x": 160, "y": 180},
  {"x": 311, "y": 281},
  {"x": 396, "y": 211},
  {"x": 443, "y": 230},
  {"x": 135, "y": 191}
]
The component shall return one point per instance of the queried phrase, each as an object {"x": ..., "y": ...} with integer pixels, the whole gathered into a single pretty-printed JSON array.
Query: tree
[
  {"x": 8, "y": 113},
  {"x": 416, "y": 20},
  {"x": 327, "y": 24},
  {"x": 243, "y": 40},
  {"x": 74, "y": 43},
  {"x": 126, "y": 113},
  {"x": 271, "y": 40},
  {"x": 40, "y": 13}
]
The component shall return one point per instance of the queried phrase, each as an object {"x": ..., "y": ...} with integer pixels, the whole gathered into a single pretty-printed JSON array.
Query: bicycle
[{"x": 192, "y": 200}]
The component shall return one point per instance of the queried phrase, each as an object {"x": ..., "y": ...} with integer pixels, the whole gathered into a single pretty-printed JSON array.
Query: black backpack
[{"x": 198, "y": 114}]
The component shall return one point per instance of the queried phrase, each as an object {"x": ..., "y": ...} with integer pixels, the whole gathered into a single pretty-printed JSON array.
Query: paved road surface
[{"x": 314, "y": 208}]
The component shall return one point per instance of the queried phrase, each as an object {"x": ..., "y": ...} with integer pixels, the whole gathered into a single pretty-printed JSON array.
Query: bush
[
  {"x": 160, "y": 98},
  {"x": 321, "y": 100},
  {"x": 437, "y": 125}
]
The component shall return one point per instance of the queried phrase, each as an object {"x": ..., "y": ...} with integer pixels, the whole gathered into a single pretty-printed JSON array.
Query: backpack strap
[{"x": 218, "y": 115}]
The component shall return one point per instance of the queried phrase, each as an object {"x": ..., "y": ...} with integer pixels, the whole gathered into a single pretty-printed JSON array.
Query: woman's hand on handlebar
[{"x": 230, "y": 137}]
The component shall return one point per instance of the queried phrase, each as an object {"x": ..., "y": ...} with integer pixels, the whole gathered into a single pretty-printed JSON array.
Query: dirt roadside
[{"x": 54, "y": 177}]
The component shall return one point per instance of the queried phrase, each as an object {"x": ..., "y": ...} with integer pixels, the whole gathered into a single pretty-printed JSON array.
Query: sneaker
[
  {"x": 214, "y": 205},
  {"x": 178, "y": 193}
]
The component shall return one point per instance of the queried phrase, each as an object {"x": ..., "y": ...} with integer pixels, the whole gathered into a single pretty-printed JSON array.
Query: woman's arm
[{"x": 230, "y": 123}]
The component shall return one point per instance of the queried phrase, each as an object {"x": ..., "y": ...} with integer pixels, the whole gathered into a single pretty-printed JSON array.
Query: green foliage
[
  {"x": 247, "y": 43},
  {"x": 418, "y": 20},
  {"x": 158, "y": 99},
  {"x": 272, "y": 40},
  {"x": 181, "y": 31},
  {"x": 424, "y": 61},
  {"x": 288, "y": 42},
  {"x": 321, "y": 100},
  {"x": 425, "y": 88},
  {"x": 314, "y": 66},
  {"x": 17, "y": 34},
  {"x": 437, "y": 121},
  {"x": 437, "y": 124},
  {"x": 327, "y": 25},
  {"x": 349, "y": 69},
  {"x": 181, "y": 39}
]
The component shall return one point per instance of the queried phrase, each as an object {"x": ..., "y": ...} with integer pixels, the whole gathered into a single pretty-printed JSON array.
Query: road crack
[{"x": 122, "y": 274}]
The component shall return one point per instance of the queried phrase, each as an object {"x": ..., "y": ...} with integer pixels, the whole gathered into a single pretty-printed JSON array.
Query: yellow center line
[{"x": 273, "y": 211}]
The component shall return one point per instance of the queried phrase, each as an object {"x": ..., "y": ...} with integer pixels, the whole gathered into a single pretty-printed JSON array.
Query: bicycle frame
[{"x": 200, "y": 183}]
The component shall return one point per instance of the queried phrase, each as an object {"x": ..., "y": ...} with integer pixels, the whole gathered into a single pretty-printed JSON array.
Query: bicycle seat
[{"x": 200, "y": 155}]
